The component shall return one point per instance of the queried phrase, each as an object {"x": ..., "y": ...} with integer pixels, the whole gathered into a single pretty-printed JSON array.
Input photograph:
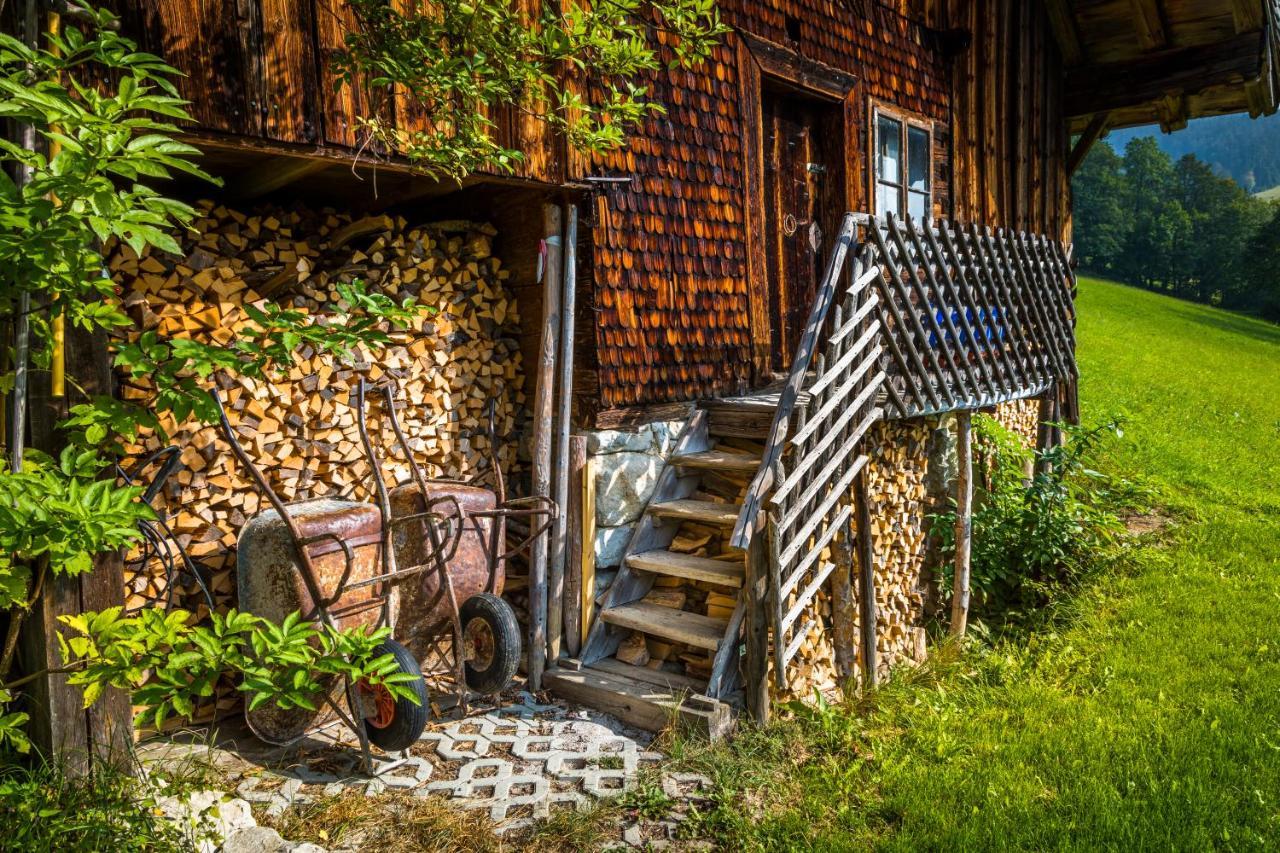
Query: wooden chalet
[{"x": 850, "y": 224}]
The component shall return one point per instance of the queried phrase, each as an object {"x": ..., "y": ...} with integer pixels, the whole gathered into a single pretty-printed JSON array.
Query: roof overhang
[{"x": 1164, "y": 62}]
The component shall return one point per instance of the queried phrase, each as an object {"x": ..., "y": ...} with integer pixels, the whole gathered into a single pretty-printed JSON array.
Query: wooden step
[
  {"x": 672, "y": 681},
  {"x": 636, "y": 701},
  {"x": 718, "y": 460},
  {"x": 723, "y": 572},
  {"x": 708, "y": 512},
  {"x": 668, "y": 623}
]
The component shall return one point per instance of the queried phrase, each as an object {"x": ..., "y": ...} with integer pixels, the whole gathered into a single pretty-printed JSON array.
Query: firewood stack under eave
[
  {"x": 300, "y": 428},
  {"x": 896, "y": 487},
  {"x": 1021, "y": 417}
]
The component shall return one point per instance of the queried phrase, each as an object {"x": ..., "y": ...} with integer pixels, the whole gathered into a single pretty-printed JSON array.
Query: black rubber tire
[
  {"x": 501, "y": 621},
  {"x": 409, "y": 720}
]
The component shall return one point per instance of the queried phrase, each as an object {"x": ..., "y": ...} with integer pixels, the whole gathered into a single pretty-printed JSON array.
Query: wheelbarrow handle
[{"x": 172, "y": 456}]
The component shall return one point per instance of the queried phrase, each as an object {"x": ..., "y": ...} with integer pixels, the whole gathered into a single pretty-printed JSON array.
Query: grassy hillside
[{"x": 1151, "y": 719}]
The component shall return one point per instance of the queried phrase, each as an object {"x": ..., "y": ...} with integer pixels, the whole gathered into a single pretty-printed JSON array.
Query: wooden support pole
[
  {"x": 844, "y": 606},
  {"x": 756, "y": 661},
  {"x": 543, "y": 421},
  {"x": 573, "y": 564},
  {"x": 964, "y": 523},
  {"x": 1044, "y": 429},
  {"x": 867, "y": 615},
  {"x": 560, "y": 475}
]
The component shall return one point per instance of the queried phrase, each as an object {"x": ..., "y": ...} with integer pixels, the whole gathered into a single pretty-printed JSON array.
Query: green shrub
[
  {"x": 43, "y": 808},
  {"x": 1033, "y": 538}
]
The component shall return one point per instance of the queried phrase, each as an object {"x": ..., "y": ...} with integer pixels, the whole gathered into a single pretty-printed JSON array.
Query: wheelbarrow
[
  {"x": 327, "y": 559},
  {"x": 486, "y": 640}
]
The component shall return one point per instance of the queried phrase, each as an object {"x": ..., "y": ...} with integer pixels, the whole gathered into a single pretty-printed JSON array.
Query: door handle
[{"x": 790, "y": 226}]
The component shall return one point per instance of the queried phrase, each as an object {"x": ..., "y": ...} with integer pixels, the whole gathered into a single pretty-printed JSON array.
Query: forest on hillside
[
  {"x": 1244, "y": 149},
  {"x": 1177, "y": 228}
]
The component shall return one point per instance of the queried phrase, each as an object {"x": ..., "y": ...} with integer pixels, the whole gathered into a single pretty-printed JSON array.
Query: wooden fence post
[
  {"x": 866, "y": 583},
  {"x": 573, "y": 565},
  {"x": 543, "y": 421},
  {"x": 964, "y": 523},
  {"x": 756, "y": 665}
]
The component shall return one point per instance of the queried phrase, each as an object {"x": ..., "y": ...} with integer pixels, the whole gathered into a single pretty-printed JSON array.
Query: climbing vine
[{"x": 581, "y": 67}]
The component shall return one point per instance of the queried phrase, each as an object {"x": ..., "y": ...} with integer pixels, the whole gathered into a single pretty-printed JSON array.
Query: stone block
[
  {"x": 611, "y": 545},
  {"x": 624, "y": 483}
]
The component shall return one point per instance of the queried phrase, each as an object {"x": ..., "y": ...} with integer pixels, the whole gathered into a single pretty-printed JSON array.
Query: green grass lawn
[{"x": 1150, "y": 719}]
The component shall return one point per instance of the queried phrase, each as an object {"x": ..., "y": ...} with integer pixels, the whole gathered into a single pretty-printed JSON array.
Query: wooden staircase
[
  {"x": 776, "y": 471},
  {"x": 708, "y": 456}
]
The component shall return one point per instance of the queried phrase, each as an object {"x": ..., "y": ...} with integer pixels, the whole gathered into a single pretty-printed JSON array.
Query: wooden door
[{"x": 802, "y": 207}]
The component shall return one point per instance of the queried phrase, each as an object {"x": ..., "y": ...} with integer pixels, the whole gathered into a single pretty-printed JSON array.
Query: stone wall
[{"x": 626, "y": 465}]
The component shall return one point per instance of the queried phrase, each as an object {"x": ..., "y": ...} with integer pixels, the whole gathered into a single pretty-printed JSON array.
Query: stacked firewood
[
  {"x": 460, "y": 353},
  {"x": 896, "y": 488},
  {"x": 1021, "y": 417}
]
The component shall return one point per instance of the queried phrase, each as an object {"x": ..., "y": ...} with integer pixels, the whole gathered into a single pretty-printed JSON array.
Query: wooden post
[
  {"x": 866, "y": 583},
  {"x": 573, "y": 563},
  {"x": 964, "y": 524},
  {"x": 543, "y": 419},
  {"x": 588, "y": 601},
  {"x": 559, "y": 540},
  {"x": 1044, "y": 432},
  {"x": 844, "y": 606},
  {"x": 756, "y": 662},
  {"x": 61, "y": 728}
]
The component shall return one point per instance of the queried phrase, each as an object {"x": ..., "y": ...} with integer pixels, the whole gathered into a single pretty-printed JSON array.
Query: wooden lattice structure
[{"x": 971, "y": 317}]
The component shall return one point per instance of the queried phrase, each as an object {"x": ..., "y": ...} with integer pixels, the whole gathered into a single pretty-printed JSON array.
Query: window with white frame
[{"x": 903, "y": 165}]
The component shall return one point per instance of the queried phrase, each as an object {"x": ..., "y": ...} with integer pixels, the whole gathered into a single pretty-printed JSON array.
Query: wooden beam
[
  {"x": 1097, "y": 127},
  {"x": 1172, "y": 111},
  {"x": 273, "y": 174},
  {"x": 543, "y": 421},
  {"x": 866, "y": 582},
  {"x": 1248, "y": 14},
  {"x": 1148, "y": 18},
  {"x": 1117, "y": 85},
  {"x": 1063, "y": 22}
]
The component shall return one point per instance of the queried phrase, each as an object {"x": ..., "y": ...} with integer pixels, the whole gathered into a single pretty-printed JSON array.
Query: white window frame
[{"x": 906, "y": 121}]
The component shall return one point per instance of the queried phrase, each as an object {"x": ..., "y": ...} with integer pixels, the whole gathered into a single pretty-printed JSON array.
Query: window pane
[
  {"x": 917, "y": 205},
  {"x": 889, "y": 149},
  {"x": 918, "y": 159},
  {"x": 888, "y": 200}
]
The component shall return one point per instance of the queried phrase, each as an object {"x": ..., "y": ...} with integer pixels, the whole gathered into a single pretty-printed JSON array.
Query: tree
[
  {"x": 1260, "y": 273},
  {"x": 1098, "y": 189},
  {"x": 1159, "y": 221}
]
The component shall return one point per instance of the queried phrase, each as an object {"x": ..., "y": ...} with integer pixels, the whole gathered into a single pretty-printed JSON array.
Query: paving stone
[{"x": 255, "y": 839}]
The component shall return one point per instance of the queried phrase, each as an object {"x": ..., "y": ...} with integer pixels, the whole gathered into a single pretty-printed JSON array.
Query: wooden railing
[
  {"x": 801, "y": 494},
  {"x": 971, "y": 317}
]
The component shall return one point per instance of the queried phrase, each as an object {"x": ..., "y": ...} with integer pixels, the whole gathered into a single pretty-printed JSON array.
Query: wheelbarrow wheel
[
  {"x": 491, "y": 639},
  {"x": 394, "y": 723}
]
